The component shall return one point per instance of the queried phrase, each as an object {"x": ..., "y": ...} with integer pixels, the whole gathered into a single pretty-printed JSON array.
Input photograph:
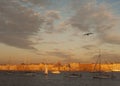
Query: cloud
[
  {"x": 111, "y": 36},
  {"x": 53, "y": 43},
  {"x": 60, "y": 54},
  {"x": 76, "y": 4},
  {"x": 38, "y": 2},
  {"x": 18, "y": 24},
  {"x": 89, "y": 47},
  {"x": 51, "y": 16},
  {"x": 66, "y": 56},
  {"x": 89, "y": 17}
]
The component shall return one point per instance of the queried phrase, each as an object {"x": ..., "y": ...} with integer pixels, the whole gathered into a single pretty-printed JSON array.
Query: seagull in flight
[{"x": 87, "y": 34}]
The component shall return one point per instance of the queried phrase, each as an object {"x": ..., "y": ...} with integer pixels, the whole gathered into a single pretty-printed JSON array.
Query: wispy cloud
[
  {"x": 66, "y": 56},
  {"x": 111, "y": 37},
  {"x": 60, "y": 54},
  {"x": 49, "y": 43},
  {"x": 96, "y": 18},
  {"x": 51, "y": 16},
  {"x": 18, "y": 23},
  {"x": 89, "y": 47},
  {"x": 38, "y": 2}
]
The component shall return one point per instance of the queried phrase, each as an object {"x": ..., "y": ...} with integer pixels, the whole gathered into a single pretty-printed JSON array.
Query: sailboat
[
  {"x": 55, "y": 72},
  {"x": 46, "y": 70},
  {"x": 99, "y": 73}
]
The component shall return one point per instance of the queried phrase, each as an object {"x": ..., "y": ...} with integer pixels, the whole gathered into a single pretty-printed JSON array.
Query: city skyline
[{"x": 34, "y": 31}]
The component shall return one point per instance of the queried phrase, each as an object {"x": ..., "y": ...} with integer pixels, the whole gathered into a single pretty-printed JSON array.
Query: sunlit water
[{"x": 39, "y": 79}]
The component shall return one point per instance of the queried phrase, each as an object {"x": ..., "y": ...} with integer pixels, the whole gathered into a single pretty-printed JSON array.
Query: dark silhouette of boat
[
  {"x": 103, "y": 76},
  {"x": 74, "y": 75}
]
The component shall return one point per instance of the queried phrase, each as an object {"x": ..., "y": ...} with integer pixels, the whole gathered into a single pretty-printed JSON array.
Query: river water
[{"x": 62, "y": 79}]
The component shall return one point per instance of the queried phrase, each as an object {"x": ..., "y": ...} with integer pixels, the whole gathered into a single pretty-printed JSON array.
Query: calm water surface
[{"x": 39, "y": 79}]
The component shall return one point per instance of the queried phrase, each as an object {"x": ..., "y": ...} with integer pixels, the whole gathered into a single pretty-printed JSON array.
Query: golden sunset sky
[{"x": 34, "y": 31}]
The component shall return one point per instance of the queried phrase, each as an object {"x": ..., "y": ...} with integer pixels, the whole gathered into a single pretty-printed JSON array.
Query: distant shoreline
[{"x": 60, "y": 67}]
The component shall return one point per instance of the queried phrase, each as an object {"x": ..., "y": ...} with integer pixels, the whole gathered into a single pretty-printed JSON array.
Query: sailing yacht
[{"x": 99, "y": 73}]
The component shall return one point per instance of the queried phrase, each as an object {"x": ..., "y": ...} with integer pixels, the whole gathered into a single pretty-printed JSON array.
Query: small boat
[
  {"x": 56, "y": 72},
  {"x": 74, "y": 75},
  {"x": 102, "y": 76}
]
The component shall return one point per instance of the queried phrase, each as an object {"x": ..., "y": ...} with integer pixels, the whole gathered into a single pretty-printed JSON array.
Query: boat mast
[
  {"x": 99, "y": 60},
  {"x": 97, "y": 67}
]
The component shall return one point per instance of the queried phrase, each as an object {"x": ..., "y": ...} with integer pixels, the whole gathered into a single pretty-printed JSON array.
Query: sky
[{"x": 34, "y": 31}]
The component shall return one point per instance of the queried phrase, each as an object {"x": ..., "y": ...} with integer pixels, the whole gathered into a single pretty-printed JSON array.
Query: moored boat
[
  {"x": 100, "y": 74},
  {"x": 56, "y": 72}
]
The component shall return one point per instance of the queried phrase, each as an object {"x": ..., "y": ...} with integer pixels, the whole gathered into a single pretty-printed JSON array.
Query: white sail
[{"x": 46, "y": 70}]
